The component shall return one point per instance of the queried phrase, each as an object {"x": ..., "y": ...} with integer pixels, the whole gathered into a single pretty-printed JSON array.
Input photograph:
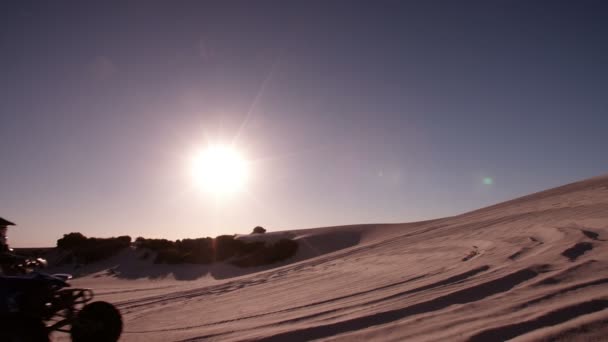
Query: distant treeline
[
  {"x": 191, "y": 251},
  {"x": 87, "y": 250},
  {"x": 222, "y": 248}
]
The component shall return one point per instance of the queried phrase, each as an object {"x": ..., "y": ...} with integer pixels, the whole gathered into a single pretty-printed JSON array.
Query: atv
[
  {"x": 34, "y": 305},
  {"x": 14, "y": 264}
]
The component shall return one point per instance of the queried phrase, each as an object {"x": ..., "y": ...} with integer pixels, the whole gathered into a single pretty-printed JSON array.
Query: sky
[{"x": 347, "y": 112}]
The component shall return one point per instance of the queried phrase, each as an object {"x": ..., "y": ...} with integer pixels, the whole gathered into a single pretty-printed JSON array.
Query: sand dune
[{"x": 534, "y": 268}]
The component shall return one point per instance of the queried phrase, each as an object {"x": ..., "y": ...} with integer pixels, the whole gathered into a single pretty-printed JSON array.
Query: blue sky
[{"x": 349, "y": 111}]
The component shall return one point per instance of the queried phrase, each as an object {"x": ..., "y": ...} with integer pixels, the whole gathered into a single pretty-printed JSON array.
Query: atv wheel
[
  {"x": 21, "y": 328},
  {"x": 97, "y": 322}
]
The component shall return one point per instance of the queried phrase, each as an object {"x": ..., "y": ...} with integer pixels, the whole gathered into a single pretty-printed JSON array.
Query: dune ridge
[{"x": 533, "y": 268}]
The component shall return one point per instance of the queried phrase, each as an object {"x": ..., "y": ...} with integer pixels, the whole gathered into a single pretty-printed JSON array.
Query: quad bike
[
  {"x": 34, "y": 305},
  {"x": 14, "y": 264}
]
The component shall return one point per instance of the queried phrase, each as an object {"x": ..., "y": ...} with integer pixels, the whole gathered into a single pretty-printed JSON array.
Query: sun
[{"x": 220, "y": 170}]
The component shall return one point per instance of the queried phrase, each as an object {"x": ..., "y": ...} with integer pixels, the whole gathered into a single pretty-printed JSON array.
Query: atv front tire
[
  {"x": 97, "y": 322},
  {"x": 21, "y": 328}
]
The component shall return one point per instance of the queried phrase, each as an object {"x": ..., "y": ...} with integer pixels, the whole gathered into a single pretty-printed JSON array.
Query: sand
[{"x": 530, "y": 269}]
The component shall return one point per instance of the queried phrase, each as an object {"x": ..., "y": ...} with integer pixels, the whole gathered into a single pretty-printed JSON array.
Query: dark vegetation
[
  {"x": 86, "y": 250},
  {"x": 222, "y": 248},
  {"x": 258, "y": 230},
  {"x": 83, "y": 250}
]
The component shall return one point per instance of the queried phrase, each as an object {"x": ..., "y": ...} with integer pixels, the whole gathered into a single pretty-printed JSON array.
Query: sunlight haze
[{"x": 342, "y": 112}]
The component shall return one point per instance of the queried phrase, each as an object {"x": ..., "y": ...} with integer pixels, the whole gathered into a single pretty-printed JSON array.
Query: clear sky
[{"x": 347, "y": 111}]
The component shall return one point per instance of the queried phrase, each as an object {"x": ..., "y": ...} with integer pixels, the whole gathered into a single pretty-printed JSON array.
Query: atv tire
[
  {"x": 21, "y": 328},
  {"x": 97, "y": 322}
]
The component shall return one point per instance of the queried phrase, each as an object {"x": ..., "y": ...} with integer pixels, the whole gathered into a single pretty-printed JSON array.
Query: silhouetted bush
[
  {"x": 258, "y": 230},
  {"x": 196, "y": 251},
  {"x": 153, "y": 244},
  {"x": 226, "y": 246},
  {"x": 222, "y": 248},
  {"x": 71, "y": 241},
  {"x": 87, "y": 250},
  {"x": 192, "y": 251}
]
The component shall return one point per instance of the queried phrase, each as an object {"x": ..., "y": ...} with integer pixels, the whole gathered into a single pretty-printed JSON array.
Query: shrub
[
  {"x": 193, "y": 251},
  {"x": 87, "y": 250},
  {"x": 226, "y": 246},
  {"x": 196, "y": 251},
  {"x": 71, "y": 241},
  {"x": 258, "y": 230},
  {"x": 153, "y": 244},
  {"x": 222, "y": 248}
]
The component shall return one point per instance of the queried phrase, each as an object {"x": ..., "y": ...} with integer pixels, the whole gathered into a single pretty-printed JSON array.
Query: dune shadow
[
  {"x": 467, "y": 295},
  {"x": 218, "y": 270},
  {"x": 577, "y": 250},
  {"x": 550, "y": 319},
  {"x": 590, "y": 234}
]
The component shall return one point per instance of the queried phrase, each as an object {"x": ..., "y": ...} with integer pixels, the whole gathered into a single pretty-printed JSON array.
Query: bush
[
  {"x": 193, "y": 251},
  {"x": 222, "y": 248},
  {"x": 226, "y": 246},
  {"x": 258, "y": 230},
  {"x": 71, "y": 241},
  {"x": 153, "y": 244},
  {"x": 196, "y": 251},
  {"x": 87, "y": 250}
]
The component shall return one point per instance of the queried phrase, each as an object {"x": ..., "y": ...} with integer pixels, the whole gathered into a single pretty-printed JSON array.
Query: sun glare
[{"x": 220, "y": 170}]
